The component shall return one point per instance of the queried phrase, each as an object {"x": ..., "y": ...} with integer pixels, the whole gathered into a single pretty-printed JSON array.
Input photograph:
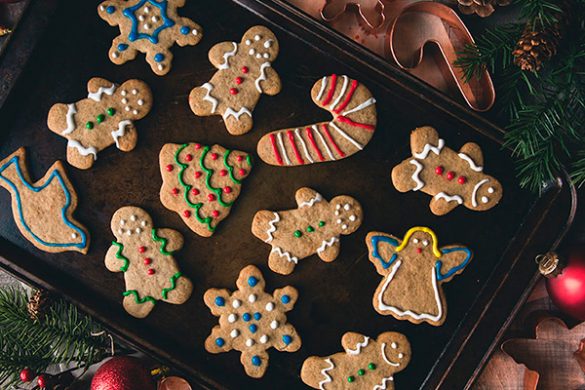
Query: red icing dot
[
  {"x": 223, "y": 172},
  {"x": 189, "y": 157},
  {"x": 197, "y": 146},
  {"x": 175, "y": 191},
  {"x": 150, "y": 271},
  {"x": 198, "y": 174},
  {"x": 211, "y": 197},
  {"x": 239, "y": 80},
  {"x": 242, "y": 171},
  {"x": 418, "y": 250},
  {"x": 450, "y": 175},
  {"x": 234, "y": 91},
  {"x": 245, "y": 69},
  {"x": 439, "y": 170},
  {"x": 142, "y": 249},
  {"x": 169, "y": 167},
  {"x": 462, "y": 180},
  {"x": 214, "y": 156},
  {"x": 147, "y": 261},
  {"x": 215, "y": 213},
  {"x": 227, "y": 189},
  {"x": 186, "y": 213},
  {"x": 195, "y": 191},
  {"x": 240, "y": 158}
]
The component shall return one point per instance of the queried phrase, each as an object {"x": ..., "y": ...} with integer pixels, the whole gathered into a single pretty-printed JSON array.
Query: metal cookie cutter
[{"x": 371, "y": 12}]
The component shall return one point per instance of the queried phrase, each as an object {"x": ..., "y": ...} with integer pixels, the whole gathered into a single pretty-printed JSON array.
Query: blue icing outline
[
  {"x": 153, "y": 38},
  {"x": 376, "y": 254},
  {"x": 57, "y": 174},
  {"x": 455, "y": 269}
]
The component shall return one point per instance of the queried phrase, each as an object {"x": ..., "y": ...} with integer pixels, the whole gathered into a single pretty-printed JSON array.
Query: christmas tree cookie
[{"x": 201, "y": 183}]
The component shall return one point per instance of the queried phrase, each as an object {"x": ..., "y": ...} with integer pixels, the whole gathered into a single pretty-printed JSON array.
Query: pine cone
[
  {"x": 483, "y": 8},
  {"x": 536, "y": 47},
  {"x": 38, "y": 304}
]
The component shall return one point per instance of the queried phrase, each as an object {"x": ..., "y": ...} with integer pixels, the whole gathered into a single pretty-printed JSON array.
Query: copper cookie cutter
[
  {"x": 371, "y": 12},
  {"x": 439, "y": 29}
]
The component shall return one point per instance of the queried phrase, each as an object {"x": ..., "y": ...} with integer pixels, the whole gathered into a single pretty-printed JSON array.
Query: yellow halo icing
[{"x": 412, "y": 230}]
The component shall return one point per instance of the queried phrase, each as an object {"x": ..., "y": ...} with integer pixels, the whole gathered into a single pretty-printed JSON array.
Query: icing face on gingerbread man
[
  {"x": 313, "y": 227},
  {"x": 145, "y": 255},
  {"x": 366, "y": 363},
  {"x": 106, "y": 117},
  {"x": 452, "y": 178},
  {"x": 416, "y": 260},
  {"x": 244, "y": 74}
]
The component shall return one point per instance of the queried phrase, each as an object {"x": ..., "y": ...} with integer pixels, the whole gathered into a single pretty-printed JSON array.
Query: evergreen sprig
[{"x": 63, "y": 335}]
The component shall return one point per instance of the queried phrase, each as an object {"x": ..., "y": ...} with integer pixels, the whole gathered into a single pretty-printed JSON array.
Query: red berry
[
  {"x": 227, "y": 189},
  {"x": 175, "y": 191},
  {"x": 186, "y": 213},
  {"x": 234, "y": 91},
  {"x": 439, "y": 170},
  {"x": 245, "y": 69},
  {"x": 239, "y": 80},
  {"x": 450, "y": 175},
  {"x": 169, "y": 168},
  {"x": 195, "y": 191},
  {"x": 242, "y": 171},
  {"x": 240, "y": 158},
  {"x": 418, "y": 250},
  {"x": 462, "y": 180},
  {"x": 223, "y": 172},
  {"x": 42, "y": 381},
  {"x": 26, "y": 375},
  {"x": 189, "y": 157},
  {"x": 198, "y": 174},
  {"x": 147, "y": 261},
  {"x": 214, "y": 156},
  {"x": 197, "y": 146},
  {"x": 215, "y": 213},
  {"x": 142, "y": 249},
  {"x": 211, "y": 197},
  {"x": 151, "y": 271}
]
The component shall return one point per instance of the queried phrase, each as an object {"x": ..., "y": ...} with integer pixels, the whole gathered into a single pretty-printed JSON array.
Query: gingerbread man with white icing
[
  {"x": 244, "y": 74},
  {"x": 313, "y": 227},
  {"x": 104, "y": 118},
  {"x": 366, "y": 363},
  {"x": 452, "y": 178}
]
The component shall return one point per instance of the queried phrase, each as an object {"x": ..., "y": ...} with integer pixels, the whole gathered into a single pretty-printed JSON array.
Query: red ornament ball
[
  {"x": 42, "y": 381},
  {"x": 26, "y": 375},
  {"x": 122, "y": 373},
  {"x": 567, "y": 289}
]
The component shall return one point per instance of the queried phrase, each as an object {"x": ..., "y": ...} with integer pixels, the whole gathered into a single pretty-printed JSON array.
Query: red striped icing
[
  {"x": 275, "y": 149},
  {"x": 344, "y": 119},
  {"x": 314, "y": 144},
  {"x": 352, "y": 89},
  {"x": 331, "y": 90},
  {"x": 331, "y": 140},
  {"x": 291, "y": 138}
]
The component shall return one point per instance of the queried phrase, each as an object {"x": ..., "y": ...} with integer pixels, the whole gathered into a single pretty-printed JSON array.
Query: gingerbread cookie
[
  {"x": 365, "y": 364},
  {"x": 354, "y": 121},
  {"x": 252, "y": 321},
  {"x": 145, "y": 255},
  {"x": 244, "y": 74},
  {"x": 313, "y": 227},
  {"x": 43, "y": 210},
  {"x": 104, "y": 118},
  {"x": 201, "y": 183},
  {"x": 151, "y": 27},
  {"x": 416, "y": 260},
  {"x": 451, "y": 178}
]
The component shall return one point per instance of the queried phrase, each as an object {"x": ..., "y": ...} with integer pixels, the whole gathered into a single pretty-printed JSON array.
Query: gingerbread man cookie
[
  {"x": 104, "y": 118},
  {"x": 451, "y": 178},
  {"x": 313, "y": 227},
  {"x": 252, "y": 321},
  {"x": 150, "y": 27},
  {"x": 244, "y": 73},
  {"x": 201, "y": 183},
  {"x": 354, "y": 121},
  {"x": 43, "y": 211},
  {"x": 145, "y": 255},
  {"x": 416, "y": 260},
  {"x": 365, "y": 364}
]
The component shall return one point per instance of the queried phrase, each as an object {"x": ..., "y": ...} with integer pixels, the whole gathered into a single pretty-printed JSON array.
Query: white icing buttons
[
  {"x": 484, "y": 199},
  {"x": 347, "y": 206},
  {"x": 415, "y": 240},
  {"x": 393, "y": 345},
  {"x": 257, "y": 37},
  {"x": 425, "y": 242},
  {"x": 263, "y": 339},
  {"x": 400, "y": 355},
  {"x": 133, "y": 217},
  {"x": 134, "y": 91},
  {"x": 236, "y": 303},
  {"x": 73, "y": 235},
  {"x": 352, "y": 218},
  {"x": 344, "y": 226},
  {"x": 252, "y": 52},
  {"x": 235, "y": 333},
  {"x": 122, "y": 222},
  {"x": 138, "y": 230},
  {"x": 249, "y": 342},
  {"x": 248, "y": 42},
  {"x": 252, "y": 298},
  {"x": 491, "y": 190},
  {"x": 232, "y": 318},
  {"x": 269, "y": 306},
  {"x": 274, "y": 324}
]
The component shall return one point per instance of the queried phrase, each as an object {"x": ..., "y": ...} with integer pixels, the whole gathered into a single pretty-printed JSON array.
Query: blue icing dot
[
  {"x": 220, "y": 342},
  {"x": 111, "y": 9},
  {"x": 253, "y": 328},
  {"x": 122, "y": 46},
  {"x": 185, "y": 30},
  {"x": 219, "y": 301},
  {"x": 287, "y": 339},
  {"x": 257, "y": 316},
  {"x": 246, "y": 317},
  {"x": 158, "y": 57},
  {"x": 252, "y": 281},
  {"x": 256, "y": 360},
  {"x": 285, "y": 299}
]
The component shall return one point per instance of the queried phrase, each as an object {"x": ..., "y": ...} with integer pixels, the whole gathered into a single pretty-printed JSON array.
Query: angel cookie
[
  {"x": 244, "y": 74},
  {"x": 252, "y": 321},
  {"x": 365, "y": 364},
  {"x": 416, "y": 260},
  {"x": 104, "y": 118},
  {"x": 145, "y": 255},
  {"x": 150, "y": 27},
  {"x": 313, "y": 227},
  {"x": 43, "y": 211},
  {"x": 451, "y": 178}
]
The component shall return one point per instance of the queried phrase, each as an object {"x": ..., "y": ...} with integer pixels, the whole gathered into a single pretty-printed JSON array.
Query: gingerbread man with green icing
[
  {"x": 145, "y": 255},
  {"x": 313, "y": 227}
]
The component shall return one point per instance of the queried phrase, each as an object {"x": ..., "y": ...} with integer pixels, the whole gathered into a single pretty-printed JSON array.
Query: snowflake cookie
[
  {"x": 416, "y": 260},
  {"x": 151, "y": 27},
  {"x": 366, "y": 363},
  {"x": 313, "y": 227},
  {"x": 252, "y": 321}
]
